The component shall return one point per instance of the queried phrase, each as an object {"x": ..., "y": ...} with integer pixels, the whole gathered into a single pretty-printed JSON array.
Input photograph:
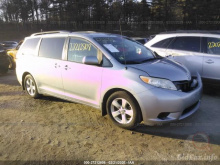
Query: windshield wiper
[
  {"x": 132, "y": 62},
  {"x": 150, "y": 59}
]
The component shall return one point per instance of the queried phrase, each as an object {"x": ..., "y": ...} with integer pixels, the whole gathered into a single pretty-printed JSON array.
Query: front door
[
  {"x": 186, "y": 50},
  {"x": 81, "y": 82},
  {"x": 211, "y": 63}
]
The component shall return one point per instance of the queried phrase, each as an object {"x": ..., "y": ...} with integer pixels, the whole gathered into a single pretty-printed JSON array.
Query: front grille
[{"x": 186, "y": 86}]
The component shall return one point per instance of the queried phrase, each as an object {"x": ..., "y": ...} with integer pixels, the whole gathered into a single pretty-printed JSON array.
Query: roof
[
  {"x": 50, "y": 32},
  {"x": 84, "y": 33},
  {"x": 192, "y": 31},
  {"x": 138, "y": 38}
]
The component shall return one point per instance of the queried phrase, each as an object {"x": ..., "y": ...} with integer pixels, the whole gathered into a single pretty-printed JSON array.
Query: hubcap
[
  {"x": 121, "y": 111},
  {"x": 30, "y": 86}
]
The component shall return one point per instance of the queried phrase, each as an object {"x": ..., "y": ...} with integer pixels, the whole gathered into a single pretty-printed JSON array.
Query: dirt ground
[{"x": 50, "y": 130}]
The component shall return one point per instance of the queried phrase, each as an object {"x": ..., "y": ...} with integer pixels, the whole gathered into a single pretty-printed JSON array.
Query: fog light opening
[{"x": 163, "y": 115}]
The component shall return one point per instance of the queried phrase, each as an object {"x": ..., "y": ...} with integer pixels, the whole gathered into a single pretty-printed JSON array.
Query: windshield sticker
[
  {"x": 138, "y": 51},
  {"x": 104, "y": 39},
  {"x": 111, "y": 48},
  {"x": 213, "y": 45},
  {"x": 80, "y": 47}
]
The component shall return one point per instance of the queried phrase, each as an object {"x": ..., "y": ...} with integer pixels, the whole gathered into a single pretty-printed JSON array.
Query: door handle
[
  {"x": 56, "y": 65},
  {"x": 66, "y": 67},
  {"x": 209, "y": 61}
]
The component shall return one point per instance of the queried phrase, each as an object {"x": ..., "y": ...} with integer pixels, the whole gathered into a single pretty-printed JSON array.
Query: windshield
[{"x": 125, "y": 50}]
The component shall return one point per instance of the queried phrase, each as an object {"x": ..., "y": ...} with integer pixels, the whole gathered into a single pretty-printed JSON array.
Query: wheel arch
[
  {"x": 109, "y": 93},
  {"x": 23, "y": 77}
]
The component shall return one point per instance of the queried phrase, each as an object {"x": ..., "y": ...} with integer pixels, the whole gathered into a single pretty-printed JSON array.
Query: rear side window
[
  {"x": 163, "y": 44},
  {"x": 30, "y": 45},
  {"x": 52, "y": 48},
  {"x": 186, "y": 43},
  {"x": 79, "y": 48},
  {"x": 212, "y": 46}
]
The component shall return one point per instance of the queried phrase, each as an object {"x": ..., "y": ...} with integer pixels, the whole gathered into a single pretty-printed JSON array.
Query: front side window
[
  {"x": 213, "y": 46},
  {"x": 52, "y": 48},
  {"x": 79, "y": 48},
  {"x": 163, "y": 44},
  {"x": 30, "y": 45},
  {"x": 125, "y": 50},
  {"x": 186, "y": 44}
]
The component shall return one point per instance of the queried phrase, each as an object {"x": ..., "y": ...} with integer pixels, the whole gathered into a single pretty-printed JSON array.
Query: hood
[{"x": 164, "y": 68}]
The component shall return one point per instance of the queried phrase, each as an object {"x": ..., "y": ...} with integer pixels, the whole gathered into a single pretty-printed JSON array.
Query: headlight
[{"x": 160, "y": 83}]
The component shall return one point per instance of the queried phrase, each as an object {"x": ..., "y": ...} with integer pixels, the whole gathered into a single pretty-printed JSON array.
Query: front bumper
[{"x": 160, "y": 106}]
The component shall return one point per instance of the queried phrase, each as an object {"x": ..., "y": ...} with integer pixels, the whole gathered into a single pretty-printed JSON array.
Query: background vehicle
[
  {"x": 4, "y": 61},
  {"x": 141, "y": 40},
  {"x": 199, "y": 51},
  {"x": 12, "y": 55},
  {"x": 9, "y": 44},
  {"x": 113, "y": 73}
]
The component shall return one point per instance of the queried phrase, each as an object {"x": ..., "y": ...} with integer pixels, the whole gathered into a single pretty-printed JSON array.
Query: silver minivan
[
  {"x": 199, "y": 51},
  {"x": 113, "y": 73}
]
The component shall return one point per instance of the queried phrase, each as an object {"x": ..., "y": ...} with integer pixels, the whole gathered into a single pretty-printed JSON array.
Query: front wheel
[
  {"x": 123, "y": 110},
  {"x": 31, "y": 87}
]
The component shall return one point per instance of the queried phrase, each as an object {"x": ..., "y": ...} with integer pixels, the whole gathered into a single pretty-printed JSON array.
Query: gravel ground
[{"x": 50, "y": 130}]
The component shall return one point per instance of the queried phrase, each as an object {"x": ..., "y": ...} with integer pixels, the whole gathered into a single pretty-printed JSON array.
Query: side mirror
[{"x": 90, "y": 60}]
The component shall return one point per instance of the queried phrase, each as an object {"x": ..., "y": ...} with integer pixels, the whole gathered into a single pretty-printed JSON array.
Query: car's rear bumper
[{"x": 160, "y": 106}]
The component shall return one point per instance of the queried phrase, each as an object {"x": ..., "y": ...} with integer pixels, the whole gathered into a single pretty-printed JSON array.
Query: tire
[
  {"x": 123, "y": 110},
  {"x": 31, "y": 87}
]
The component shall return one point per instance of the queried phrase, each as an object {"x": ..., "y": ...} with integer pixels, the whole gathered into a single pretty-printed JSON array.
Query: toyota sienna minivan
[{"x": 113, "y": 73}]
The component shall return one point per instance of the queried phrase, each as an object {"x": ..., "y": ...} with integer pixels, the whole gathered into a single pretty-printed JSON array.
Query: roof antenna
[{"x": 123, "y": 45}]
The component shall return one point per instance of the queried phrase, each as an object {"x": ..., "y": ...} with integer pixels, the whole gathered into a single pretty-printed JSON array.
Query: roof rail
[
  {"x": 50, "y": 32},
  {"x": 193, "y": 31},
  {"x": 84, "y": 31}
]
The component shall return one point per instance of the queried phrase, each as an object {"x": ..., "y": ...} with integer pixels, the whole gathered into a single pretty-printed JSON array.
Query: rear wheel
[
  {"x": 123, "y": 110},
  {"x": 31, "y": 87}
]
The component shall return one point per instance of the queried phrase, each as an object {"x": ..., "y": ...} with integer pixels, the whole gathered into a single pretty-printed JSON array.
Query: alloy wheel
[
  {"x": 122, "y": 111},
  {"x": 30, "y": 86}
]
